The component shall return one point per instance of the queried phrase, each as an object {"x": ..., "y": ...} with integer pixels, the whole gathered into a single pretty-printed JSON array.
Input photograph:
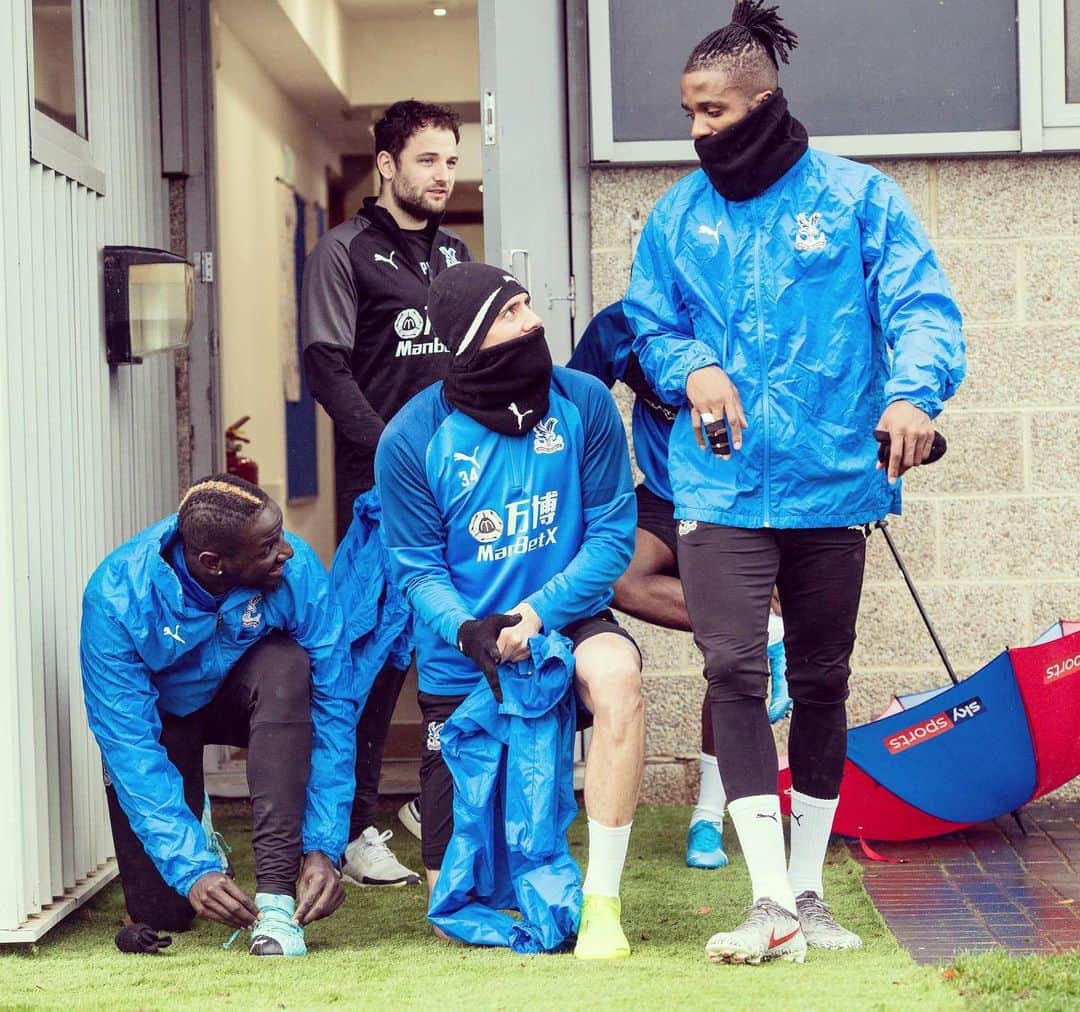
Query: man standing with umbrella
[{"x": 791, "y": 302}]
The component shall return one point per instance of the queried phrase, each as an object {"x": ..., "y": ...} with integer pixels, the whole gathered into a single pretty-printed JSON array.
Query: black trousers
[
  {"x": 728, "y": 575},
  {"x": 264, "y": 705},
  {"x": 374, "y": 725},
  {"x": 371, "y": 733}
]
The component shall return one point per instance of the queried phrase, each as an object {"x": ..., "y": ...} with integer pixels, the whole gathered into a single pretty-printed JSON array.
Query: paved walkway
[{"x": 988, "y": 887}]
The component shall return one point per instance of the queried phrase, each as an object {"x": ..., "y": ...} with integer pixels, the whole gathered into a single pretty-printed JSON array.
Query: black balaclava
[
  {"x": 751, "y": 155},
  {"x": 504, "y": 388}
]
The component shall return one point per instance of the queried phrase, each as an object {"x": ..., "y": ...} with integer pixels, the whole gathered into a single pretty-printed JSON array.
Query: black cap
[{"x": 464, "y": 300}]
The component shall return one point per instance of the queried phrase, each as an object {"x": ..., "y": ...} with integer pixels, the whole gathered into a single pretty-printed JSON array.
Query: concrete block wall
[{"x": 992, "y": 535}]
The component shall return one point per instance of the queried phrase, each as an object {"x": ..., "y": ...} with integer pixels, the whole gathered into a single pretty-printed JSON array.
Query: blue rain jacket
[
  {"x": 145, "y": 650},
  {"x": 823, "y": 301},
  {"x": 378, "y": 623},
  {"x": 477, "y": 522},
  {"x": 604, "y": 351},
  {"x": 513, "y": 770}
]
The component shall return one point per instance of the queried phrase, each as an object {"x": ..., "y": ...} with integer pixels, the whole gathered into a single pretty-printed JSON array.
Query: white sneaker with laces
[
  {"x": 820, "y": 927},
  {"x": 769, "y": 932},
  {"x": 409, "y": 816},
  {"x": 370, "y": 862}
]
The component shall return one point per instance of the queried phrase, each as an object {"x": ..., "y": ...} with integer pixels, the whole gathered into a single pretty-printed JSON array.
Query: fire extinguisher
[{"x": 235, "y": 463}]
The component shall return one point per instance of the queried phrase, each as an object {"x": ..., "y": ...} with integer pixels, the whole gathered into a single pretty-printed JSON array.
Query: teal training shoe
[
  {"x": 705, "y": 845},
  {"x": 276, "y": 934},
  {"x": 215, "y": 842},
  {"x": 779, "y": 700}
]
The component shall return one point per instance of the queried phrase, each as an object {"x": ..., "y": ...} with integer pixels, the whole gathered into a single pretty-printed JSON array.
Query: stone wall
[{"x": 991, "y": 534}]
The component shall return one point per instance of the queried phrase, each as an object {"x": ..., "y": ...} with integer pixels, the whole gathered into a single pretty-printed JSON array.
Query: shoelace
[
  {"x": 814, "y": 909},
  {"x": 379, "y": 844},
  {"x": 764, "y": 910},
  {"x": 217, "y": 840},
  {"x": 271, "y": 915}
]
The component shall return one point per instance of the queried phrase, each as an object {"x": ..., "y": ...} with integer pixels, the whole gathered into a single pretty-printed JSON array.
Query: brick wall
[{"x": 991, "y": 534}]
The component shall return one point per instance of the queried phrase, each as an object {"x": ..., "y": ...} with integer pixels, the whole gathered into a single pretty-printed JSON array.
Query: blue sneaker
[
  {"x": 276, "y": 934},
  {"x": 779, "y": 700},
  {"x": 215, "y": 842},
  {"x": 705, "y": 845}
]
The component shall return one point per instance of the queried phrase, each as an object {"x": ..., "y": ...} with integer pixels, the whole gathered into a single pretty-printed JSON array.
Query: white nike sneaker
[
  {"x": 370, "y": 862},
  {"x": 819, "y": 925},
  {"x": 769, "y": 932}
]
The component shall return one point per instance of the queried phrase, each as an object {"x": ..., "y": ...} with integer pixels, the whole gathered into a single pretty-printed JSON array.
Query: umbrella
[{"x": 938, "y": 761}]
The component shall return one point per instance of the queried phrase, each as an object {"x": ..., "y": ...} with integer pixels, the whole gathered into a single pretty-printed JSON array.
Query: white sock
[
  {"x": 761, "y": 836},
  {"x": 711, "y": 797},
  {"x": 607, "y": 855},
  {"x": 811, "y": 824}
]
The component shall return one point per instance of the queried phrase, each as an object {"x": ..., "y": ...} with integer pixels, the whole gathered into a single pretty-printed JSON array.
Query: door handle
[{"x": 525, "y": 274}]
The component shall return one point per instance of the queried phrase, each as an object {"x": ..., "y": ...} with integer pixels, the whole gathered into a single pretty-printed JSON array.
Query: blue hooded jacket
[
  {"x": 378, "y": 623},
  {"x": 822, "y": 300},
  {"x": 145, "y": 649},
  {"x": 604, "y": 351},
  {"x": 513, "y": 770},
  {"x": 477, "y": 522}
]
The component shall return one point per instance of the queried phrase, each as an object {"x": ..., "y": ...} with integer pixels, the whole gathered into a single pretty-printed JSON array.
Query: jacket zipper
[
  {"x": 761, "y": 351},
  {"x": 517, "y": 470}
]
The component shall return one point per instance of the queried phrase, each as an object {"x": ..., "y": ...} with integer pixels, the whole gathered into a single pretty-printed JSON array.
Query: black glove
[
  {"x": 937, "y": 449},
  {"x": 141, "y": 938},
  {"x": 478, "y": 640}
]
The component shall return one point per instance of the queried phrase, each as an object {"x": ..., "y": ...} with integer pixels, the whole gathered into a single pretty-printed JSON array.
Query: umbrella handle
[{"x": 883, "y": 526}]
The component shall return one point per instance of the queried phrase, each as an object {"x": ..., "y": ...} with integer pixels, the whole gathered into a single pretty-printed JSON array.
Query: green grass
[
  {"x": 997, "y": 981},
  {"x": 378, "y": 950}
]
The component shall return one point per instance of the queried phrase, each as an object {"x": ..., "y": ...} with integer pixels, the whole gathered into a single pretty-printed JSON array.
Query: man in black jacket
[{"x": 368, "y": 347}]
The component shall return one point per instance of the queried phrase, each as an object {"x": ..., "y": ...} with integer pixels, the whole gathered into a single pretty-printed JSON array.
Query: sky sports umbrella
[{"x": 938, "y": 761}]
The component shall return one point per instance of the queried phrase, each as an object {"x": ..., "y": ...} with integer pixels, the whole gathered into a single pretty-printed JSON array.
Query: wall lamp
[{"x": 149, "y": 302}]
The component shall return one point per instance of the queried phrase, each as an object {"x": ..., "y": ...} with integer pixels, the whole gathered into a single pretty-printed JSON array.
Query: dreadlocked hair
[
  {"x": 755, "y": 33},
  {"x": 216, "y": 508}
]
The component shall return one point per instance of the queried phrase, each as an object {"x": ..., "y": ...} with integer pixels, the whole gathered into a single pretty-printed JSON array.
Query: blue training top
[
  {"x": 148, "y": 647},
  {"x": 478, "y": 522},
  {"x": 605, "y": 351},
  {"x": 823, "y": 301}
]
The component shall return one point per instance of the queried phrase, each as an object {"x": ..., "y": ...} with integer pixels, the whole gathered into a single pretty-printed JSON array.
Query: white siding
[{"x": 87, "y": 454}]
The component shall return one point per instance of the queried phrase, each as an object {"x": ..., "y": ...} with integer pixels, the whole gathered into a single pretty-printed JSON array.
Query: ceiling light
[{"x": 439, "y": 12}]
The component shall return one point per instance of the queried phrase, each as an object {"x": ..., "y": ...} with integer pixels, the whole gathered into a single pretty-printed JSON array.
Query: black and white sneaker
[{"x": 409, "y": 816}]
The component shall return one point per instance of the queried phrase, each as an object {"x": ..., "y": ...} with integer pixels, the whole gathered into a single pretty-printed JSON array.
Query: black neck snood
[
  {"x": 504, "y": 388},
  {"x": 751, "y": 155}
]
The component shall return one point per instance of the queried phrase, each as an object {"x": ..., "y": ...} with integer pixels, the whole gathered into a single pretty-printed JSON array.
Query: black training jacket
[{"x": 368, "y": 345}]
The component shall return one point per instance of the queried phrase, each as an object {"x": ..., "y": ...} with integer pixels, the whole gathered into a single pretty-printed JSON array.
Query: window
[
  {"x": 1061, "y": 74},
  {"x": 61, "y": 128},
  {"x": 59, "y": 83},
  {"x": 923, "y": 77}
]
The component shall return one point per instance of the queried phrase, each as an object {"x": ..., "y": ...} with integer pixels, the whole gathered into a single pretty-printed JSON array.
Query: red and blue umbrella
[{"x": 938, "y": 761}]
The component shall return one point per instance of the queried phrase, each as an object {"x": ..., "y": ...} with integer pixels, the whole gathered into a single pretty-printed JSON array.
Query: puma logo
[
  {"x": 173, "y": 634},
  {"x": 798, "y": 817},
  {"x": 379, "y": 258},
  {"x": 714, "y": 232},
  {"x": 464, "y": 458},
  {"x": 519, "y": 415},
  {"x": 767, "y": 815}
]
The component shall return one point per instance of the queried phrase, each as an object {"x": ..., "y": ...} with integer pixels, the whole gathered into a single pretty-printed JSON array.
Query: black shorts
[
  {"x": 657, "y": 516},
  {"x": 436, "y": 784}
]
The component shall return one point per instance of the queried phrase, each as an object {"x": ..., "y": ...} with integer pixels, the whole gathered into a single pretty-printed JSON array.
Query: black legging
[
  {"x": 265, "y": 705},
  {"x": 727, "y": 575}
]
